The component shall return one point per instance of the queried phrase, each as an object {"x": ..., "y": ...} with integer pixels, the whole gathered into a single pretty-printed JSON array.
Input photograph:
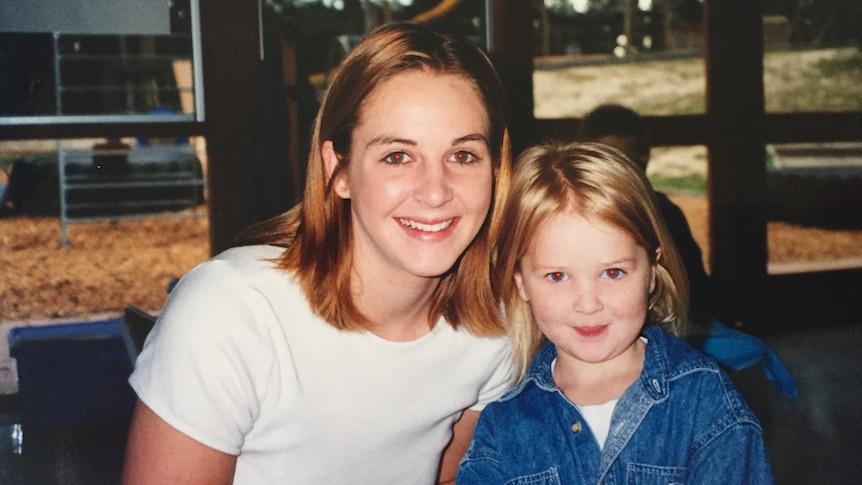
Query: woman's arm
[
  {"x": 159, "y": 454},
  {"x": 462, "y": 435}
]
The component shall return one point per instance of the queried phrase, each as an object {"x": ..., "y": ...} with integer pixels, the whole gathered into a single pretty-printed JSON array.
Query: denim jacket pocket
[
  {"x": 547, "y": 477},
  {"x": 643, "y": 474}
]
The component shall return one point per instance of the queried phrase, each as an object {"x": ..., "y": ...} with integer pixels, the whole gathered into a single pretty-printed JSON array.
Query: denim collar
[{"x": 654, "y": 377}]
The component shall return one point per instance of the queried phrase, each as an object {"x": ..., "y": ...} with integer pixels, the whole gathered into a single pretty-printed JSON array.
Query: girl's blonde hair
[
  {"x": 317, "y": 232},
  {"x": 603, "y": 184}
]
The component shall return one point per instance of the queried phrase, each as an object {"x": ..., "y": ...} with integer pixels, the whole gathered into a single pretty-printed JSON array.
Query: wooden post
[
  {"x": 230, "y": 50},
  {"x": 736, "y": 146},
  {"x": 512, "y": 52},
  {"x": 287, "y": 34}
]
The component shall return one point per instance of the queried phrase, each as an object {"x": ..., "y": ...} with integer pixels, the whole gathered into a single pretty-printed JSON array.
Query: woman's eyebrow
[
  {"x": 388, "y": 140},
  {"x": 471, "y": 137}
]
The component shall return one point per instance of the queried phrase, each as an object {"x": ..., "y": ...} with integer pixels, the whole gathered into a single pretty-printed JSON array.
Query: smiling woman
[{"x": 385, "y": 265}]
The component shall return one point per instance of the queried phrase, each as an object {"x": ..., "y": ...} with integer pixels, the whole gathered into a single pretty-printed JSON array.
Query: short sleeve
[
  {"x": 500, "y": 377},
  {"x": 205, "y": 365}
]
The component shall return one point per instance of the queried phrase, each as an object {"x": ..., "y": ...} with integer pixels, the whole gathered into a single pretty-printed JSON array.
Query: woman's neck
[{"x": 397, "y": 310}]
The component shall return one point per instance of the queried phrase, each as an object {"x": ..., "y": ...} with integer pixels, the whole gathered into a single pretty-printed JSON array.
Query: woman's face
[{"x": 420, "y": 175}]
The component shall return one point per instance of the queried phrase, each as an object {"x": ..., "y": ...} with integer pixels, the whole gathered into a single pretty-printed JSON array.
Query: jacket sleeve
[
  {"x": 737, "y": 455},
  {"x": 481, "y": 464}
]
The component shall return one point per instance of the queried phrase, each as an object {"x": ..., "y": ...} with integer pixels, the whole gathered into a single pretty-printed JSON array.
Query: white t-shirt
[
  {"x": 238, "y": 362},
  {"x": 598, "y": 417}
]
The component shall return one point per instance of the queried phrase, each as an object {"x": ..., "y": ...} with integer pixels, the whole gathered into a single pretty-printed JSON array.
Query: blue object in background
[
  {"x": 73, "y": 374},
  {"x": 75, "y": 400},
  {"x": 737, "y": 350}
]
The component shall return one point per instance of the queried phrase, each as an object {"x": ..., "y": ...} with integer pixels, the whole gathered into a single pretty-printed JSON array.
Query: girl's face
[
  {"x": 420, "y": 175},
  {"x": 587, "y": 284}
]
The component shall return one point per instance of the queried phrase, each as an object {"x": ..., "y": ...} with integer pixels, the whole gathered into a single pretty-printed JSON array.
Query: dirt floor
[
  {"x": 109, "y": 265},
  {"x": 105, "y": 266}
]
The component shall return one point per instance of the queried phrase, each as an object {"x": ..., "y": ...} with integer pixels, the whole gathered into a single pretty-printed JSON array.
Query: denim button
[{"x": 576, "y": 427}]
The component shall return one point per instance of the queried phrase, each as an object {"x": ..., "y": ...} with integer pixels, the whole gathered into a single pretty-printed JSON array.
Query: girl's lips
[{"x": 591, "y": 331}]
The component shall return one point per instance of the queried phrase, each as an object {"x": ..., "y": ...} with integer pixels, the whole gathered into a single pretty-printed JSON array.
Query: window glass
[
  {"x": 91, "y": 226},
  {"x": 647, "y": 56},
  {"x": 814, "y": 202},
  {"x": 812, "y": 61},
  {"x": 113, "y": 70}
]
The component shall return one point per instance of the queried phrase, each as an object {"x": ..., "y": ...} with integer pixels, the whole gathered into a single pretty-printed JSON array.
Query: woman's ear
[{"x": 330, "y": 164}]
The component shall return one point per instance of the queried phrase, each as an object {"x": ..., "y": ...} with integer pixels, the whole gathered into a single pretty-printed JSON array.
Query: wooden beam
[
  {"x": 664, "y": 130},
  {"x": 231, "y": 51},
  {"x": 50, "y": 131},
  {"x": 735, "y": 140},
  {"x": 691, "y": 129},
  {"x": 512, "y": 53},
  {"x": 813, "y": 127}
]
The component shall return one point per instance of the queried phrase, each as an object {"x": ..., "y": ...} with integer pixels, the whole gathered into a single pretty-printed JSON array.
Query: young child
[{"x": 594, "y": 292}]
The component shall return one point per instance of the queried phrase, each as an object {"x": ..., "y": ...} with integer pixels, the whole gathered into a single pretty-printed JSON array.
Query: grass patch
[
  {"x": 6, "y": 163},
  {"x": 688, "y": 104},
  {"x": 830, "y": 84},
  {"x": 690, "y": 184},
  {"x": 846, "y": 64}
]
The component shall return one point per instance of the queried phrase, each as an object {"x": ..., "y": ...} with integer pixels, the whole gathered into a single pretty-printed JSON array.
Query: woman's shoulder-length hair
[{"x": 316, "y": 233}]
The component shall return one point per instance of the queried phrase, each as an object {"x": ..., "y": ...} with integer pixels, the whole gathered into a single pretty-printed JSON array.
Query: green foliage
[
  {"x": 687, "y": 104},
  {"x": 818, "y": 80},
  {"x": 6, "y": 163},
  {"x": 690, "y": 183},
  {"x": 846, "y": 64}
]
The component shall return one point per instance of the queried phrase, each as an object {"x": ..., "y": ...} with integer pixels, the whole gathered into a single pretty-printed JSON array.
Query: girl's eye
[
  {"x": 463, "y": 157},
  {"x": 557, "y": 276},
  {"x": 613, "y": 273},
  {"x": 396, "y": 158}
]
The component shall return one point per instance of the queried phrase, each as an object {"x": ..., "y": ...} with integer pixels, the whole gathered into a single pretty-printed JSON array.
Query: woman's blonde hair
[
  {"x": 603, "y": 184},
  {"x": 317, "y": 232}
]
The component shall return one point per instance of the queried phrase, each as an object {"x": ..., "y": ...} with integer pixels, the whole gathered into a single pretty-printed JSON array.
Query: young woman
[
  {"x": 357, "y": 340},
  {"x": 594, "y": 292}
]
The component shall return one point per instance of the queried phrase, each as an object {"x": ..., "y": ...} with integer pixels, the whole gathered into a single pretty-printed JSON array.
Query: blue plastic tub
[{"x": 73, "y": 375}]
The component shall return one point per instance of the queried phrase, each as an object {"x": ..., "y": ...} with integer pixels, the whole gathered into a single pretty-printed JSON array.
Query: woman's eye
[
  {"x": 557, "y": 276},
  {"x": 396, "y": 158},
  {"x": 613, "y": 273},
  {"x": 463, "y": 157}
]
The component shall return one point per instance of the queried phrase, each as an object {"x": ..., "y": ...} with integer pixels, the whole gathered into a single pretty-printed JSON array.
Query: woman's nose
[{"x": 433, "y": 184}]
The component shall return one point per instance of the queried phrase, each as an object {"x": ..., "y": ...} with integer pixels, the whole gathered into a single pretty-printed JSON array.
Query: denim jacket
[{"x": 681, "y": 422}]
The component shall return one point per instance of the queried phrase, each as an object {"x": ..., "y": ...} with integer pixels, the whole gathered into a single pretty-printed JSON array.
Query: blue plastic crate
[{"x": 73, "y": 375}]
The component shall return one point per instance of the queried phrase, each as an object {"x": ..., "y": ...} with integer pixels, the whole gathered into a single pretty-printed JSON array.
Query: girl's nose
[{"x": 586, "y": 300}]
